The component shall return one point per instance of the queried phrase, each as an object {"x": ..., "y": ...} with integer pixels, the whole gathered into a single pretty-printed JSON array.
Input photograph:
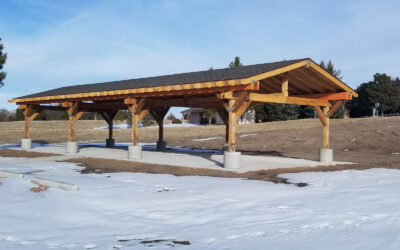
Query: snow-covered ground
[{"x": 338, "y": 210}]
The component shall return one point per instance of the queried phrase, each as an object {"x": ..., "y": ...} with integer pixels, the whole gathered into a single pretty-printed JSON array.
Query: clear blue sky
[{"x": 56, "y": 43}]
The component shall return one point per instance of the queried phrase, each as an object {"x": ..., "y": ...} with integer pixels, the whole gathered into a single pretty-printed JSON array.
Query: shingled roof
[{"x": 175, "y": 79}]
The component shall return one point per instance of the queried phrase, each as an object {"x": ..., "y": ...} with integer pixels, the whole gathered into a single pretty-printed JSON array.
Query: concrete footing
[
  {"x": 56, "y": 184},
  {"x": 135, "y": 152},
  {"x": 26, "y": 143},
  {"x": 231, "y": 160},
  {"x": 161, "y": 145},
  {"x": 110, "y": 143},
  {"x": 325, "y": 155},
  {"x": 72, "y": 147},
  {"x": 8, "y": 174}
]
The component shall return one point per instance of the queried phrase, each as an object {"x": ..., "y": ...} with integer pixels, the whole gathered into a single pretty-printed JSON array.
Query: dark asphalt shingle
[{"x": 184, "y": 78}]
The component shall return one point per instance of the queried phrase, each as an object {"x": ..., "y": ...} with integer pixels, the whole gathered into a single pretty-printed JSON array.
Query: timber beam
[{"x": 344, "y": 96}]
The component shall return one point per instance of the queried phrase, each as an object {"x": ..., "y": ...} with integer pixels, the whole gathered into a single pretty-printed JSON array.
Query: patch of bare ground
[
  {"x": 97, "y": 165},
  {"x": 24, "y": 153}
]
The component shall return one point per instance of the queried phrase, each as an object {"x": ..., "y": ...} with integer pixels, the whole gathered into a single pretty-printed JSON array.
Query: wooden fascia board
[{"x": 332, "y": 78}]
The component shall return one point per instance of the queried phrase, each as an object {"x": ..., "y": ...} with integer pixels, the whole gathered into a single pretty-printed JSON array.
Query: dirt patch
[
  {"x": 97, "y": 165},
  {"x": 23, "y": 153},
  {"x": 39, "y": 189},
  {"x": 158, "y": 242}
]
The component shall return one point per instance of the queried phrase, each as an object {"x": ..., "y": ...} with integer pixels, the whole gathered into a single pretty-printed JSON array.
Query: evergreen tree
[
  {"x": 236, "y": 63},
  {"x": 3, "y": 58},
  {"x": 383, "y": 90},
  {"x": 330, "y": 68}
]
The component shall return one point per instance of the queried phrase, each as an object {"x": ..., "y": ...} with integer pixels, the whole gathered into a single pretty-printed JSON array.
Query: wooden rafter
[{"x": 332, "y": 78}]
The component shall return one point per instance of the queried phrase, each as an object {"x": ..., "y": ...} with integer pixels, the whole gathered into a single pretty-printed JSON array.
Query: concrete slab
[
  {"x": 56, "y": 184},
  {"x": 9, "y": 174},
  {"x": 175, "y": 156}
]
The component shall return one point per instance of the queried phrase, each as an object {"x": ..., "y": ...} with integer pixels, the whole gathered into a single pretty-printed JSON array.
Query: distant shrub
[{"x": 176, "y": 121}]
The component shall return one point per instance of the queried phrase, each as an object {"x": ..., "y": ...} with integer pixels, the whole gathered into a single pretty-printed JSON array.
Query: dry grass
[{"x": 361, "y": 140}]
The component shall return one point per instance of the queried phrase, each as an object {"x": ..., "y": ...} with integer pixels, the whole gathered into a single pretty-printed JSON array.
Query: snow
[
  {"x": 207, "y": 139},
  {"x": 350, "y": 209},
  {"x": 173, "y": 125},
  {"x": 119, "y": 126},
  {"x": 246, "y": 135}
]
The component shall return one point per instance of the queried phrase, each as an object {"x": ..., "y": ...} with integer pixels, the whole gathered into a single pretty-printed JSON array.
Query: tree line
[{"x": 382, "y": 89}]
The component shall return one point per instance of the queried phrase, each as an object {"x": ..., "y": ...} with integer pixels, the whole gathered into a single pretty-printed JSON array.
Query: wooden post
[
  {"x": 71, "y": 135},
  {"x": 231, "y": 127},
  {"x": 158, "y": 113},
  {"x": 29, "y": 115},
  {"x": 326, "y": 129},
  {"x": 109, "y": 118},
  {"x": 324, "y": 117},
  {"x": 135, "y": 129},
  {"x": 110, "y": 129},
  {"x": 74, "y": 115},
  {"x": 138, "y": 111},
  {"x": 235, "y": 109}
]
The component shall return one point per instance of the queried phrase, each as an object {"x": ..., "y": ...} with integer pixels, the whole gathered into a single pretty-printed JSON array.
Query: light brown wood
[
  {"x": 337, "y": 105},
  {"x": 325, "y": 143},
  {"x": 328, "y": 96},
  {"x": 285, "y": 85},
  {"x": 243, "y": 97},
  {"x": 231, "y": 127},
  {"x": 279, "y": 98},
  {"x": 320, "y": 115},
  {"x": 241, "y": 110},
  {"x": 332, "y": 78},
  {"x": 138, "y": 111},
  {"x": 135, "y": 129},
  {"x": 29, "y": 115},
  {"x": 276, "y": 98},
  {"x": 170, "y": 90},
  {"x": 74, "y": 115}
]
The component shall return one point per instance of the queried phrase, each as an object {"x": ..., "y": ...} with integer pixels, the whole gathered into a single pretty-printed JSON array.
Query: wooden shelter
[{"x": 229, "y": 91}]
